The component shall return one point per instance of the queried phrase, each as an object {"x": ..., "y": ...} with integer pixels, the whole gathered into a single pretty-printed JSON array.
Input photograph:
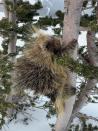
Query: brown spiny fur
[{"x": 37, "y": 70}]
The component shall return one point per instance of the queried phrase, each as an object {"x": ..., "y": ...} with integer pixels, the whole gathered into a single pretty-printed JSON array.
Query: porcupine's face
[{"x": 53, "y": 45}]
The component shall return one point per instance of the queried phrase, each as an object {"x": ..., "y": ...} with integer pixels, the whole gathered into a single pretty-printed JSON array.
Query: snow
[
  {"x": 1, "y": 39},
  {"x": 82, "y": 38},
  {"x": 38, "y": 122},
  {"x": 37, "y": 119},
  {"x": 20, "y": 43},
  {"x": 90, "y": 109},
  {"x": 31, "y": 1},
  {"x": 0, "y": 116},
  {"x": 1, "y": 16},
  {"x": 49, "y": 31}
]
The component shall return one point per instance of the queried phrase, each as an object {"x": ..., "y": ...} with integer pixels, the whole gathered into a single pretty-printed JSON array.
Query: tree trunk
[
  {"x": 71, "y": 31},
  {"x": 13, "y": 35},
  {"x": 11, "y": 15},
  {"x": 91, "y": 83}
]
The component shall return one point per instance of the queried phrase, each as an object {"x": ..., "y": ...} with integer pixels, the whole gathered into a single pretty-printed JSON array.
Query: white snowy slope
[
  {"x": 49, "y": 6},
  {"x": 38, "y": 122}
]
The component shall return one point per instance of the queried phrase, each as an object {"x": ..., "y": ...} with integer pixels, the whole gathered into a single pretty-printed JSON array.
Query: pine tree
[{"x": 17, "y": 12}]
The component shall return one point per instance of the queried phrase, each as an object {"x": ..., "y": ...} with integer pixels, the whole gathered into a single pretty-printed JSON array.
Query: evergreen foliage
[
  {"x": 25, "y": 13},
  {"x": 5, "y": 67},
  {"x": 84, "y": 70}
]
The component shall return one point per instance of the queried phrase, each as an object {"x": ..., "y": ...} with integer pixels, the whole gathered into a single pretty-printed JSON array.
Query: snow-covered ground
[{"x": 38, "y": 122}]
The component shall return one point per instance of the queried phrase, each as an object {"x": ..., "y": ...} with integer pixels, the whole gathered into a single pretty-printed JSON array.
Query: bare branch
[
  {"x": 92, "y": 50},
  {"x": 81, "y": 115},
  {"x": 90, "y": 7},
  {"x": 84, "y": 28},
  {"x": 82, "y": 99}
]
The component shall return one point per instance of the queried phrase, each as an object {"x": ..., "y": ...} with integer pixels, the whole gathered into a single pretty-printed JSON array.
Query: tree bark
[
  {"x": 71, "y": 31},
  {"x": 11, "y": 16},
  {"x": 91, "y": 83}
]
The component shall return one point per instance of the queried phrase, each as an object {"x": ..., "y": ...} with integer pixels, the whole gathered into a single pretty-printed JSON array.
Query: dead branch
[{"x": 81, "y": 115}]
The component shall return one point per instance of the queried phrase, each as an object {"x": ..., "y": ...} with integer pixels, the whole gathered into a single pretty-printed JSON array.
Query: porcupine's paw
[{"x": 69, "y": 91}]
